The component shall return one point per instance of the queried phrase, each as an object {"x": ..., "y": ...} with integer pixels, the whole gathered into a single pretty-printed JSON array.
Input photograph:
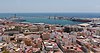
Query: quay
[{"x": 76, "y": 19}]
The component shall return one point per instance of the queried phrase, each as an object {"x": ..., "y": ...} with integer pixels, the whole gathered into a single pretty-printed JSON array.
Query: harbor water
[{"x": 42, "y": 17}]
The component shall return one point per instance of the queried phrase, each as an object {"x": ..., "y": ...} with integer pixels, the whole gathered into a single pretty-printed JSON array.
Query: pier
[{"x": 76, "y": 19}]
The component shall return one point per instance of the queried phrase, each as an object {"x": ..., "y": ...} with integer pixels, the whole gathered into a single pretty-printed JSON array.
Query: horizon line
[{"x": 49, "y": 12}]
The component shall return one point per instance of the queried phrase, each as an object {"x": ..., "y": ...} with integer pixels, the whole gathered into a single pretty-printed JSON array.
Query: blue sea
[{"x": 42, "y": 17}]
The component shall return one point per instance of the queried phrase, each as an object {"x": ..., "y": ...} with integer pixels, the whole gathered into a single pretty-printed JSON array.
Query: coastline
[{"x": 43, "y": 37}]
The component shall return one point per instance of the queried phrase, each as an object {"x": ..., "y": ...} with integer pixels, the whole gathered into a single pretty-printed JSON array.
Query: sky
[{"x": 35, "y": 6}]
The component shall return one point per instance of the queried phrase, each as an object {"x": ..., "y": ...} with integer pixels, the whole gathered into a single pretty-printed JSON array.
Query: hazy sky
[{"x": 31, "y": 6}]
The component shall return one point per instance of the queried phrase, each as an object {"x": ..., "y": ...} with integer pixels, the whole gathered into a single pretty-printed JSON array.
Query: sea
[{"x": 43, "y": 17}]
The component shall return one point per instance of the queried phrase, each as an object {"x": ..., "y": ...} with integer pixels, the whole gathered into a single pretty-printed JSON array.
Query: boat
[
  {"x": 80, "y": 20},
  {"x": 16, "y": 19}
]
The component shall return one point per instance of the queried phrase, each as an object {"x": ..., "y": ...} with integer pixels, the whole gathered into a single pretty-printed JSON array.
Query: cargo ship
[{"x": 80, "y": 20}]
